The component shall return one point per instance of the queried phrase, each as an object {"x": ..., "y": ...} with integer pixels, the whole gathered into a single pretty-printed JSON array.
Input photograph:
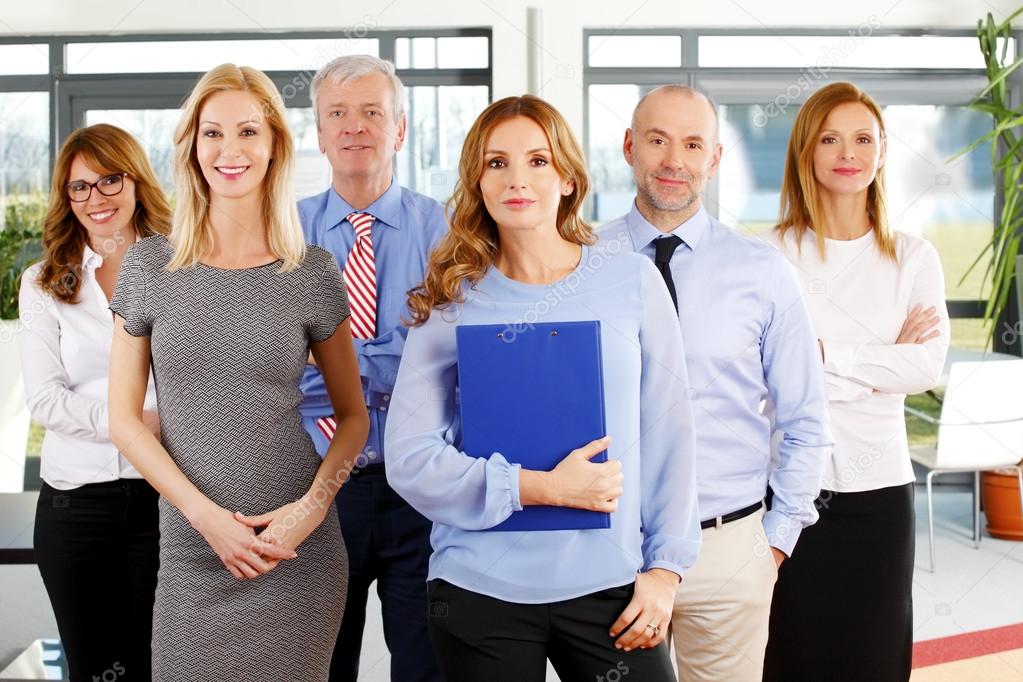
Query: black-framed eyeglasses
[{"x": 109, "y": 185}]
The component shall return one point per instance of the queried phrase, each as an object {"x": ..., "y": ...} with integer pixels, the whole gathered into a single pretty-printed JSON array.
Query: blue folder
[{"x": 533, "y": 393}]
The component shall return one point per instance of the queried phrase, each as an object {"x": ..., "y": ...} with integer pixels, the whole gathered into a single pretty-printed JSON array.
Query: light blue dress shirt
[
  {"x": 749, "y": 341},
  {"x": 648, "y": 418},
  {"x": 408, "y": 225}
]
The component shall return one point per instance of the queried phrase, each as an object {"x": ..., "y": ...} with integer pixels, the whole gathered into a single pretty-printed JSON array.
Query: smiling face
[
  {"x": 234, "y": 144},
  {"x": 356, "y": 129},
  {"x": 521, "y": 188},
  {"x": 103, "y": 217},
  {"x": 848, "y": 151},
  {"x": 673, "y": 150}
]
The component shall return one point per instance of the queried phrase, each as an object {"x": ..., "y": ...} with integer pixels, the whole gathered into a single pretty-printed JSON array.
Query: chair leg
[
  {"x": 976, "y": 510},
  {"x": 930, "y": 516}
]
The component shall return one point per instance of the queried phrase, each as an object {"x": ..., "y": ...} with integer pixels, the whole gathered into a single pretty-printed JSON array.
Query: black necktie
[{"x": 662, "y": 259}]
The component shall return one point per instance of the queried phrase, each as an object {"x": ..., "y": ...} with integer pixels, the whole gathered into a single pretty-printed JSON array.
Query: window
[
  {"x": 24, "y": 157},
  {"x": 857, "y": 48},
  {"x": 759, "y": 80},
  {"x": 187, "y": 56},
  {"x": 472, "y": 52},
  {"x": 153, "y": 128},
  {"x": 439, "y": 118},
  {"x": 24, "y": 59}
]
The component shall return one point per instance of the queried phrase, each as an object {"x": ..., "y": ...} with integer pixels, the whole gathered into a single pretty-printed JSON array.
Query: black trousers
[
  {"x": 481, "y": 638},
  {"x": 98, "y": 550},
  {"x": 388, "y": 542},
  {"x": 843, "y": 603}
]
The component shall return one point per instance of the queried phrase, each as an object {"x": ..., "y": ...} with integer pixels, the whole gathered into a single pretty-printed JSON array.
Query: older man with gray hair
[
  {"x": 381, "y": 233},
  {"x": 748, "y": 340}
]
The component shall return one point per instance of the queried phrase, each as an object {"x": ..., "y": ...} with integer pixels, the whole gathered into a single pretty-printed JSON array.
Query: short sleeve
[
  {"x": 331, "y": 302},
  {"x": 129, "y": 299}
]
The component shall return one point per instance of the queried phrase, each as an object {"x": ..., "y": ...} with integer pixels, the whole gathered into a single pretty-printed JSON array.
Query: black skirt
[{"x": 843, "y": 603}]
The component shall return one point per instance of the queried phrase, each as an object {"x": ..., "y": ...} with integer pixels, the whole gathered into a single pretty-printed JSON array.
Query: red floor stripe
[{"x": 969, "y": 645}]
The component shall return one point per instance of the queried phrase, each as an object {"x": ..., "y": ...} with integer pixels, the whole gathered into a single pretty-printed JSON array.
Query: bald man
[{"x": 748, "y": 341}]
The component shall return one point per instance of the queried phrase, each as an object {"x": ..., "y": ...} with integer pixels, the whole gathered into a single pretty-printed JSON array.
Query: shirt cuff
[
  {"x": 666, "y": 565},
  {"x": 513, "y": 483},
  {"x": 782, "y": 531}
]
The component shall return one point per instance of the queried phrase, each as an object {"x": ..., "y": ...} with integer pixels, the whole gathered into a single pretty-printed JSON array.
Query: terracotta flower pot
[{"x": 1000, "y": 492}]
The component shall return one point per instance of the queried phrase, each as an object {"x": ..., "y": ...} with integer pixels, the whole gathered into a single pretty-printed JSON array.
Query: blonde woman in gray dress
[{"x": 251, "y": 555}]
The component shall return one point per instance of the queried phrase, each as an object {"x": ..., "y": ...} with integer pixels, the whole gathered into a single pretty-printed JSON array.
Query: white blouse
[
  {"x": 65, "y": 360},
  {"x": 858, "y": 300}
]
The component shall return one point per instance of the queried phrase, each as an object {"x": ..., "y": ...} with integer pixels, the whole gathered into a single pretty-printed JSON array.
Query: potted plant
[
  {"x": 19, "y": 245},
  {"x": 1000, "y": 490}
]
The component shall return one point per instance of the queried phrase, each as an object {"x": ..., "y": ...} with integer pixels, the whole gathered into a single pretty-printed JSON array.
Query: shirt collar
[
  {"x": 386, "y": 209},
  {"x": 90, "y": 259},
  {"x": 690, "y": 232}
]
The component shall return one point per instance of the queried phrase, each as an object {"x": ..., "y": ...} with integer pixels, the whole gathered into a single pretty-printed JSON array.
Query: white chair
[{"x": 980, "y": 429}]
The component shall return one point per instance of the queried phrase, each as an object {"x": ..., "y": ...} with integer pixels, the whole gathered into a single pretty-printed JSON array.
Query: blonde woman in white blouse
[
  {"x": 96, "y": 533},
  {"x": 842, "y": 606}
]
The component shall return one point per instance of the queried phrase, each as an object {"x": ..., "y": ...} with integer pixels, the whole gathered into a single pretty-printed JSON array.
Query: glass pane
[
  {"x": 24, "y": 158},
  {"x": 749, "y": 178},
  {"x": 424, "y": 53},
  {"x": 453, "y": 52},
  {"x": 19, "y": 60},
  {"x": 951, "y": 203},
  {"x": 24, "y": 181},
  {"x": 439, "y": 118},
  {"x": 970, "y": 334},
  {"x": 852, "y": 50},
  {"x": 202, "y": 55},
  {"x": 468, "y": 52},
  {"x": 312, "y": 170},
  {"x": 153, "y": 128},
  {"x": 610, "y": 114},
  {"x": 635, "y": 50}
]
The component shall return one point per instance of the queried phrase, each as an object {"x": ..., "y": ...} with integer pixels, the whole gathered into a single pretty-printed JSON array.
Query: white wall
[{"x": 562, "y": 23}]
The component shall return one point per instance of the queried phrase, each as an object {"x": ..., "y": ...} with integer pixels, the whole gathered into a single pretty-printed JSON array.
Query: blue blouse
[{"x": 648, "y": 417}]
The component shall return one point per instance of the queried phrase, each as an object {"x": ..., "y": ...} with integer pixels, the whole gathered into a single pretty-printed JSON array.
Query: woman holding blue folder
[{"x": 595, "y": 602}]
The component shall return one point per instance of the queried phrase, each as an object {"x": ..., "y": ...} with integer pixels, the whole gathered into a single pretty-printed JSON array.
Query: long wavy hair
[
  {"x": 801, "y": 207},
  {"x": 106, "y": 149},
  {"x": 472, "y": 244},
  {"x": 190, "y": 234}
]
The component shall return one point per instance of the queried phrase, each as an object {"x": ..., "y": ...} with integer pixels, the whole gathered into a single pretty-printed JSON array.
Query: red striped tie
[{"x": 360, "y": 275}]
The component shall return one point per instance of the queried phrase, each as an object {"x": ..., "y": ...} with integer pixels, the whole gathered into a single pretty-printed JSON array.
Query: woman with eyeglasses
[{"x": 96, "y": 529}]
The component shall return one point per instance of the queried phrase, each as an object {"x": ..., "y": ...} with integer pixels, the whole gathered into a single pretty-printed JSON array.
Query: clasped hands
[{"x": 248, "y": 552}]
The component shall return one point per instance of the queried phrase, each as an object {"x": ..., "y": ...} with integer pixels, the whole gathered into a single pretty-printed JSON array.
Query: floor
[{"x": 972, "y": 589}]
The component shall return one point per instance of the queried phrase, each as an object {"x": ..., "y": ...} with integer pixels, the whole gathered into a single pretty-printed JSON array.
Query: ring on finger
[{"x": 655, "y": 629}]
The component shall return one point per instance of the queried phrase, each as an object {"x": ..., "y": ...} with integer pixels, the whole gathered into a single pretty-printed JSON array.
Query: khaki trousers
[{"x": 722, "y": 610}]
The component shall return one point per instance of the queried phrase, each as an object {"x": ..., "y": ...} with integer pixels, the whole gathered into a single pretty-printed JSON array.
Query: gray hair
[
  {"x": 679, "y": 89},
  {"x": 352, "y": 66}
]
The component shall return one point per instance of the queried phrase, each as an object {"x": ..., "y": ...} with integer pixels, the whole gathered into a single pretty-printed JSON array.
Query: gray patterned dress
[{"x": 228, "y": 350}]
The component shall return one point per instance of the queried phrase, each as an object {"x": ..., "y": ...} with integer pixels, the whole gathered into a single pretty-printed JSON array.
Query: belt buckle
[{"x": 719, "y": 521}]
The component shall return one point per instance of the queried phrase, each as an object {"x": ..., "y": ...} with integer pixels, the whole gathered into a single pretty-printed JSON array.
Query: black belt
[{"x": 732, "y": 516}]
